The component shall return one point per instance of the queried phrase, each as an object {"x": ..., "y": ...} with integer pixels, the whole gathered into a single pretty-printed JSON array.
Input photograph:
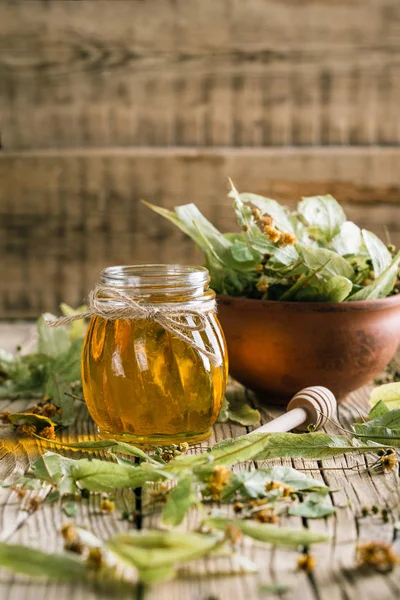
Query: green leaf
[
  {"x": 379, "y": 409},
  {"x": 34, "y": 562},
  {"x": 68, "y": 364},
  {"x": 336, "y": 289},
  {"x": 384, "y": 429},
  {"x": 180, "y": 499},
  {"x": 70, "y": 509},
  {"x": 56, "y": 470},
  {"x": 52, "y": 341},
  {"x": 327, "y": 263},
  {"x": 263, "y": 532},
  {"x": 107, "y": 445},
  {"x": 311, "y": 509},
  {"x": 242, "y": 253},
  {"x": 245, "y": 484},
  {"x": 348, "y": 240},
  {"x": 297, "y": 480},
  {"x": 159, "y": 550},
  {"x": 285, "y": 445},
  {"x": 271, "y": 589},
  {"x": 382, "y": 286},
  {"x": 389, "y": 394},
  {"x": 324, "y": 216},
  {"x": 238, "y": 410},
  {"x": 57, "y": 389},
  {"x": 380, "y": 255},
  {"x": 76, "y": 329},
  {"x": 103, "y": 476}
]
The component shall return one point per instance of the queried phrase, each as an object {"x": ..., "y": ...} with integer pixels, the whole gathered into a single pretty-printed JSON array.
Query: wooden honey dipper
[{"x": 311, "y": 406}]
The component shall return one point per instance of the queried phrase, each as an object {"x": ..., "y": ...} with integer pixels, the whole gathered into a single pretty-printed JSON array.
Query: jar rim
[{"x": 155, "y": 275}]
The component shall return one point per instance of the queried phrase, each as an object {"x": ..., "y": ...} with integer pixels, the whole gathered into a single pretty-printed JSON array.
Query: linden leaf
[{"x": 264, "y": 532}]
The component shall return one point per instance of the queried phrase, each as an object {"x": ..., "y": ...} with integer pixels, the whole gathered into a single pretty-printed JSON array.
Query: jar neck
[{"x": 159, "y": 283}]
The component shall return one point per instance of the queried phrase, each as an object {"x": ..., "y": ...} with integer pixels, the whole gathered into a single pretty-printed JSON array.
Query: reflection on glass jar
[{"x": 142, "y": 382}]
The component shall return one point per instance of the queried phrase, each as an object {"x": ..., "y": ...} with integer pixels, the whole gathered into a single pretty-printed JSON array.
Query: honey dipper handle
[
  {"x": 286, "y": 422},
  {"x": 311, "y": 406}
]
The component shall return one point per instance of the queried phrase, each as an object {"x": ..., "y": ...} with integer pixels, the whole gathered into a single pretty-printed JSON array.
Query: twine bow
[{"x": 102, "y": 302}]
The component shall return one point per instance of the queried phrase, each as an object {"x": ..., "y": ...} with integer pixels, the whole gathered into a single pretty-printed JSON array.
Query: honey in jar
[{"x": 145, "y": 382}]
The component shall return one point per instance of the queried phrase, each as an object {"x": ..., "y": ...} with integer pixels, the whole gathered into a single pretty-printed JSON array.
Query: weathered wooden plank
[
  {"x": 67, "y": 214},
  {"x": 162, "y": 73},
  {"x": 333, "y": 579}
]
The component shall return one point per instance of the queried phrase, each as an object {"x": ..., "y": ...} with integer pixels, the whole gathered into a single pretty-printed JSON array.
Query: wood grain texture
[
  {"x": 335, "y": 576},
  {"x": 182, "y": 72},
  {"x": 67, "y": 214}
]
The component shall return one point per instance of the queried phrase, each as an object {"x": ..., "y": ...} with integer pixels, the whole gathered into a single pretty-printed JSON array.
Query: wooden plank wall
[{"x": 105, "y": 102}]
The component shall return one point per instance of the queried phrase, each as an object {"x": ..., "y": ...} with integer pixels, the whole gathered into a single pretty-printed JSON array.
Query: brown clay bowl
[{"x": 277, "y": 348}]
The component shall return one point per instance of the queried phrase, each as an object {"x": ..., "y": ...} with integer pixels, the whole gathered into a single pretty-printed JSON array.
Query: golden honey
[{"x": 141, "y": 382}]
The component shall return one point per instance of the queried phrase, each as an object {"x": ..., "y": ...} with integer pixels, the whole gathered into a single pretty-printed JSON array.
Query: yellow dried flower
[
  {"x": 233, "y": 534},
  {"x": 378, "y": 555},
  {"x": 219, "y": 477},
  {"x": 287, "y": 239},
  {"x": 267, "y": 221},
  {"x": 68, "y": 532},
  {"x": 20, "y": 491},
  {"x": 107, "y": 506},
  {"x": 5, "y": 417},
  {"x": 75, "y": 546},
  {"x": 259, "y": 268},
  {"x": 95, "y": 559},
  {"x": 306, "y": 563},
  {"x": 245, "y": 227},
  {"x": 389, "y": 462},
  {"x": 48, "y": 432},
  {"x": 49, "y": 410},
  {"x": 266, "y": 515},
  {"x": 256, "y": 212},
  {"x": 286, "y": 490},
  {"x": 262, "y": 285},
  {"x": 273, "y": 234},
  {"x": 33, "y": 504},
  {"x": 26, "y": 429}
]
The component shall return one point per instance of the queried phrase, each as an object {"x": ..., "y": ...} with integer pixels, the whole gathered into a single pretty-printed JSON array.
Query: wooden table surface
[{"x": 334, "y": 578}]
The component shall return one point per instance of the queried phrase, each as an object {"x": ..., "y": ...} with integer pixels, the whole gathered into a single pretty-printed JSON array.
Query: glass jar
[{"x": 143, "y": 383}]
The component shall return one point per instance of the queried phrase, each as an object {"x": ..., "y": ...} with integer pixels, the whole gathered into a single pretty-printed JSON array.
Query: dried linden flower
[
  {"x": 48, "y": 432},
  {"x": 233, "y": 534},
  {"x": 273, "y": 234},
  {"x": 306, "y": 563},
  {"x": 219, "y": 477},
  {"x": 49, "y": 410},
  {"x": 267, "y": 221},
  {"x": 378, "y": 555},
  {"x": 287, "y": 239},
  {"x": 389, "y": 462},
  {"x": 34, "y": 504},
  {"x": 68, "y": 532},
  {"x": 26, "y": 429},
  {"x": 286, "y": 490},
  {"x": 95, "y": 559},
  {"x": 107, "y": 505},
  {"x": 266, "y": 515},
  {"x": 262, "y": 284},
  {"x": 5, "y": 417}
]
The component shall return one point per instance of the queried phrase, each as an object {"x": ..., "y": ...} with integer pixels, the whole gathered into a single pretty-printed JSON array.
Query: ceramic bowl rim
[{"x": 389, "y": 302}]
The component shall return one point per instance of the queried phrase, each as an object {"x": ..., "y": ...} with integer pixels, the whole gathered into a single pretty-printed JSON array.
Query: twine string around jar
[{"x": 103, "y": 301}]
